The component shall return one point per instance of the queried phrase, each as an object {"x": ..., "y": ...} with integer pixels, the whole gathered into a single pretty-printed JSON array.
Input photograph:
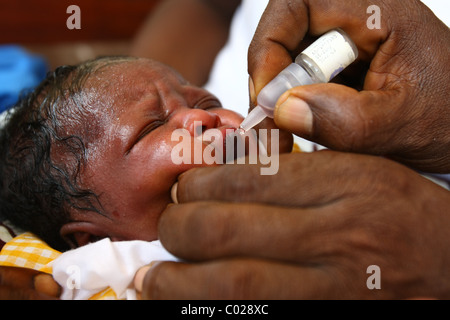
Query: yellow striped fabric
[{"x": 28, "y": 251}]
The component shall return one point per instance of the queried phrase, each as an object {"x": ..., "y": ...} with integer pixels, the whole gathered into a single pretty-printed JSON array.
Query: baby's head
[{"x": 87, "y": 155}]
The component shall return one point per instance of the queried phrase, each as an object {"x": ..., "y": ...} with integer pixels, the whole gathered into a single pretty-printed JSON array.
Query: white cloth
[
  {"x": 87, "y": 270},
  {"x": 441, "y": 8}
]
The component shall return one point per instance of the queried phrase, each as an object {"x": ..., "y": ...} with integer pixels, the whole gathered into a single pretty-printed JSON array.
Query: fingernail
[
  {"x": 44, "y": 283},
  {"x": 251, "y": 89},
  {"x": 173, "y": 193},
  {"x": 294, "y": 115},
  {"x": 140, "y": 276}
]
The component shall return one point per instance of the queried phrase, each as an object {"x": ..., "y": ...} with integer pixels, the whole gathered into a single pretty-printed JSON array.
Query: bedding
[
  {"x": 103, "y": 270},
  {"x": 28, "y": 251}
]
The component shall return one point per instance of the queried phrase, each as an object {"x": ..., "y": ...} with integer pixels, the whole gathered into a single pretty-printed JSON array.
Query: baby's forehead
[
  {"x": 134, "y": 72},
  {"x": 128, "y": 81},
  {"x": 112, "y": 90}
]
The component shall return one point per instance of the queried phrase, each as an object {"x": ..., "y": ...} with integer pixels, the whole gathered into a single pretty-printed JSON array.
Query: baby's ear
[{"x": 78, "y": 234}]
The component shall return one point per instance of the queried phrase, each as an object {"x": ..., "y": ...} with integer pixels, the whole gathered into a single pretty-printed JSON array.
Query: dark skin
[
  {"x": 373, "y": 204},
  {"x": 27, "y": 284},
  {"x": 312, "y": 230}
]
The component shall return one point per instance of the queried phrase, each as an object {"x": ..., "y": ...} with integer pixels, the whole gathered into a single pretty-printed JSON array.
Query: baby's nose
[{"x": 196, "y": 121}]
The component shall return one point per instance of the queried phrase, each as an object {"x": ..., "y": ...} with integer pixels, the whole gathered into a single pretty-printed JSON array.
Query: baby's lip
[
  {"x": 223, "y": 130},
  {"x": 227, "y": 133}
]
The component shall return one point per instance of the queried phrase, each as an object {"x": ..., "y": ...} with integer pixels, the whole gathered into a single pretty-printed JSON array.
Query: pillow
[{"x": 19, "y": 72}]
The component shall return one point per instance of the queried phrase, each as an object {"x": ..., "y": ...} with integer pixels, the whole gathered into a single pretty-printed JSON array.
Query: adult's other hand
[{"x": 27, "y": 284}]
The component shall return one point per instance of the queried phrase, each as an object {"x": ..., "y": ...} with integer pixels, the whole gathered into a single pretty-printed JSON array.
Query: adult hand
[
  {"x": 309, "y": 232},
  {"x": 27, "y": 284},
  {"x": 403, "y": 108}
]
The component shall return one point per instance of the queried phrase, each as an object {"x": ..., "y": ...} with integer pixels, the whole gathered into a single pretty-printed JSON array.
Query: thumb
[{"x": 341, "y": 118}]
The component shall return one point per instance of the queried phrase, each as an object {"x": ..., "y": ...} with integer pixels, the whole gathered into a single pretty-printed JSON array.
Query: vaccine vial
[{"x": 319, "y": 63}]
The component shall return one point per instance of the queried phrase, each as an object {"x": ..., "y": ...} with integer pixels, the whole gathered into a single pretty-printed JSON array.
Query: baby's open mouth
[{"x": 229, "y": 143}]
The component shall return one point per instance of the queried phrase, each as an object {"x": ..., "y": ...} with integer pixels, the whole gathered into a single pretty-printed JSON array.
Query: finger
[
  {"x": 45, "y": 284},
  {"x": 23, "y": 278},
  {"x": 20, "y": 277},
  {"x": 343, "y": 119},
  {"x": 14, "y": 293},
  {"x": 236, "y": 279},
  {"x": 295, "y": 184},
  {"x": 269, "y": 51},
  {"x": 272, "y": 49},
  {"x": 277, "y": 141},
  {"x": 211, "y": 230}
]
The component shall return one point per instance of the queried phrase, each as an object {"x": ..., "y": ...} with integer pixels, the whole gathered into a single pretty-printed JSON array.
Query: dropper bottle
[{"x": 319, "y": 63}]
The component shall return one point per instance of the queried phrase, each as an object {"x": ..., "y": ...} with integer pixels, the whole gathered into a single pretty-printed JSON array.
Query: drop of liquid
[{"x": 241, "y": 131}]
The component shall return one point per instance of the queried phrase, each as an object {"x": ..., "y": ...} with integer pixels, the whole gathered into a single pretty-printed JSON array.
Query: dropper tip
[{"x": 253, "y": 118}]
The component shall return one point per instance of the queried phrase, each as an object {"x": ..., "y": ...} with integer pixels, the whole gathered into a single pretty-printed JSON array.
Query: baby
[{"x": 87, "y": 155}]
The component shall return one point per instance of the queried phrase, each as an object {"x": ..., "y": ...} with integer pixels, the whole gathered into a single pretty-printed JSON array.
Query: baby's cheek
[{"x": 189, "y": 152}]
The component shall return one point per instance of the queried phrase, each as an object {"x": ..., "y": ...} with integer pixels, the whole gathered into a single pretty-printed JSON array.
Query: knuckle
[
  {"x": 242, "y": 281},
  {"x": 215, "y": 230},
  {"x": 244, "y": 186},
  {"x": 155, "y": 281},
  {"x": 359, "y": 130},
  {"x": 196, "y": 230}
]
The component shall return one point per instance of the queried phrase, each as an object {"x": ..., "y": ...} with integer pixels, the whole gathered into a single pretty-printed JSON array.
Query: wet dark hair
[{"x": 40, "y": 162}]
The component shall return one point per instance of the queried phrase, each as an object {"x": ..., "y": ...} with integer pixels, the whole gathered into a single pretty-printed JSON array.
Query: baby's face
[{"x": 129, "y": 162}]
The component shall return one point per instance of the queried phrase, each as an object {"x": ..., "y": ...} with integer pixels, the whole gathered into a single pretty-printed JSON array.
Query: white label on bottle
[{"x": 332, "y": 53}]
